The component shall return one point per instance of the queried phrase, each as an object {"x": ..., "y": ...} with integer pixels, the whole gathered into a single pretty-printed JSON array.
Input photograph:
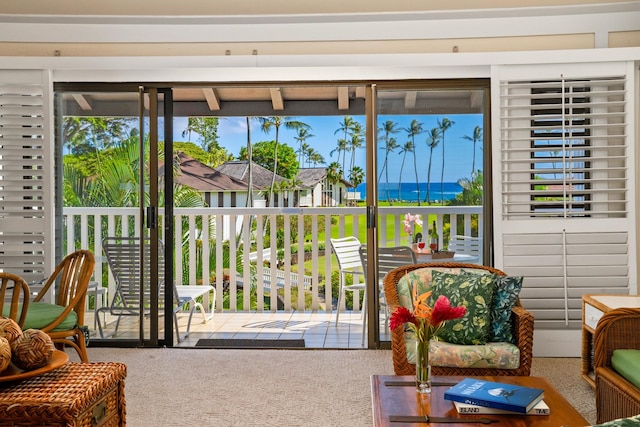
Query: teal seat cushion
[
  {"x": 626, "y": 362},
  {"x": 40, "y": 314}
]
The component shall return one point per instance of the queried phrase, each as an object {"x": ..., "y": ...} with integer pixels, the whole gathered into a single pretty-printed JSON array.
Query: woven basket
[
  {"x": 32, "y": 350},
  {"x": 5, "y": 354},
  {"x": 9, "y": 329}
]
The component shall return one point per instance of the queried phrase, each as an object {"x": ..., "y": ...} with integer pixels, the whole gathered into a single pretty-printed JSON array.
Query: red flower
[
  {"x": 442, "y": 311},
  {"x": 401, "y": 316}
]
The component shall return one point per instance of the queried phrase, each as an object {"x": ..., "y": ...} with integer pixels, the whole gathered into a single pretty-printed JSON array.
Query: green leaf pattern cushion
[
  {"x": 507, "y": 291},
  {"x": 475, "y": 292}
]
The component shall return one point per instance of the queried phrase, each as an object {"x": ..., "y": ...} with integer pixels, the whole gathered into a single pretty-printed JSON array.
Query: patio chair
[
  {"x": 467, "y": 245},
  {"x": 63, "y": 320},
  {"x": 617, "y": 389},
  {"x": 347, "y": 250},
  {"x": 388, "y": 259},
  {"x": 491, "y": 355},
  {"x": 14, "y": 294},
  {"x": 123, "y": 257}
]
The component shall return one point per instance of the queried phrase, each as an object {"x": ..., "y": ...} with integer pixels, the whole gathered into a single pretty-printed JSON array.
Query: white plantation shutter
[
  {"x": 564, "y": 184},
  {"x": 26, "y": 187},
  {"x": 564, "y": 148}
]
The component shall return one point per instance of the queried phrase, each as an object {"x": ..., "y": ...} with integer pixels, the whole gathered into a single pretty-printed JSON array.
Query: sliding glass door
[
  {"x": 109, "y": 154},
  {"x": 429, "y": 162}
]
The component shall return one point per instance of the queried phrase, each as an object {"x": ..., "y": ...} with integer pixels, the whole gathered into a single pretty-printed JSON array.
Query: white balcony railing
[{"x": 201, "y": 248}]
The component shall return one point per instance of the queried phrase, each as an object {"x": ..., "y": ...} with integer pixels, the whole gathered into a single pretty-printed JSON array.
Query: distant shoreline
[{"x": 408, "y": 192}]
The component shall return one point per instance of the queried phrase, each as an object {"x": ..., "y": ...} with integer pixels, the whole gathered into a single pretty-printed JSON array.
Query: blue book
[{"x": 510, "y": 397}]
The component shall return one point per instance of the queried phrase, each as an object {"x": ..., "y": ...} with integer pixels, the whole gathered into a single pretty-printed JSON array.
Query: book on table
[
  {"x": 510, "y": 397},
  {"x": 540, "y": 408}
]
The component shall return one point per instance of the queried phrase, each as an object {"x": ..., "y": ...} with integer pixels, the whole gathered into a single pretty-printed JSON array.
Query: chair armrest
[
  {"x": 523, "y": 326},
  {"x": 614, "y": 330},
  {"x": 615, "y": 396}
]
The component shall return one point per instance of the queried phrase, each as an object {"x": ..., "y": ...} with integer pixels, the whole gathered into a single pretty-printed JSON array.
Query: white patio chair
[
  {"x": 123, "y": 257},
  {"x": 347, "y": 250},
  {"x": 467, "y": 245},
  {"x": 388, "y": 259}
]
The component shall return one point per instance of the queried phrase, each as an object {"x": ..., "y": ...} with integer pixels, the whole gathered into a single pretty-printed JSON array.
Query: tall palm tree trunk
[{"x": 275, "y": 167}]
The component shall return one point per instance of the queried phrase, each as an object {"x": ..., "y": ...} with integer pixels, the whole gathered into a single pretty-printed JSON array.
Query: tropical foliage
[
  {"x": 263, "y": 152},
  {"x": 276, "y": 122},
  {"x": 82, "y": 135}
]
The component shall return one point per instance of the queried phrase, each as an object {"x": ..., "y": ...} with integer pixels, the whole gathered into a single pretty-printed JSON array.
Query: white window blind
[
  {"x": 564, "y": 183},
  {"x": 563, "y": 147},
  {"x": 23, "y": 200}
]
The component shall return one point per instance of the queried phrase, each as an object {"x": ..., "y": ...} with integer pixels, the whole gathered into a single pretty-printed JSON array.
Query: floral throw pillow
[
  {"x": 421, "y": 278},
  {"x": 507, "y": 291},
  {"x": 475, "y": 292}
]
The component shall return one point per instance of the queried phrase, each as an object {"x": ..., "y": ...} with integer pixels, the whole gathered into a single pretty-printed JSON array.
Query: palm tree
[
  {"x": 477, "y": 136},
  {"x": 388, "y": 128},
  {"x": 443, "y": 125},
  {"x": 343, "y": 143},
  {"x": 303, "y": 135},
  {"x": 316, "y": 158},
  {"x": 191, "y": 127},
  {"x": 432, "y": 142},
  {"x": 276, "y": 122},
  {"x": 415, "y": 129},
  {"x": 342, "y": 147},
  {"x": 356, "y": 176},
  {"x": 207, "y": 128},
  {"x": 408, "y": 147},
  {"x": 356, "y": 142},
  {"x": 305, "y": 150},
  {"x": 334, "y": 173}
]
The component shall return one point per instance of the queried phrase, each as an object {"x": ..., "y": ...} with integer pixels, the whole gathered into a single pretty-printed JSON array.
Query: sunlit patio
[
  {"x": 199, "y": 249},
  {"x": 318, "y": 330}
]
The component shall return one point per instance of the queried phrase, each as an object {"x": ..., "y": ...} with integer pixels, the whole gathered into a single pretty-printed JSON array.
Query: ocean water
[{"x": 409, "y": 192}]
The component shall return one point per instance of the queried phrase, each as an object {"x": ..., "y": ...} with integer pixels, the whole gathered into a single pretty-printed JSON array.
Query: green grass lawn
[{"x": 390, "y": 230}]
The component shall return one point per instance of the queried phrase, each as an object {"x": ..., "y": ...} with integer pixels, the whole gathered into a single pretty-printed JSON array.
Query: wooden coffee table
[{"x": 389, "y": 399}]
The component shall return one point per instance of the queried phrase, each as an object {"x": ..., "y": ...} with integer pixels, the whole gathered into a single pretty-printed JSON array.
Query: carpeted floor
[{"x": 208, "y": 387}]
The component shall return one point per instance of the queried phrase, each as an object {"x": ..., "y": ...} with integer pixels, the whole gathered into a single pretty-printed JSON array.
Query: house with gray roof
[
  {"x": 228, "y": 184},
  {"x": 316, "y": 190},
  {"x": 217, "y": 188},
  {"x": 261, "y": 179}
]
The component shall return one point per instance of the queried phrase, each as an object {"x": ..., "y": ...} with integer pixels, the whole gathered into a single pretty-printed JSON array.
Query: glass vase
[{"x": 423, "y": 369}]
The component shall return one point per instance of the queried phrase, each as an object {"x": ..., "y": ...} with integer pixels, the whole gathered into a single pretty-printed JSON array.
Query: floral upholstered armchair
[{"x": 495, "y": 337}]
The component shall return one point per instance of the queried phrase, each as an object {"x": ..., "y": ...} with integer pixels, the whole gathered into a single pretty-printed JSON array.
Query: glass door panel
[
  {"x": 429, "y": 171},
  {"x": 104, "y": 140}
]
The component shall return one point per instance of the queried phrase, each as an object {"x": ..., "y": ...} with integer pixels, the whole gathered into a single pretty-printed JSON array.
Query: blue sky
[{"x": 232, "y": 135}]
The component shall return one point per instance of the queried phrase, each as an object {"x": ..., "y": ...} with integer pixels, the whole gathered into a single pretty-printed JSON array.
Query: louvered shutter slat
[{"x": 23, "y": 214}]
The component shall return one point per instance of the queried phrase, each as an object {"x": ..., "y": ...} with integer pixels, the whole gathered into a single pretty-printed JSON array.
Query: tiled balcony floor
[{"x": 319, "y": 330}]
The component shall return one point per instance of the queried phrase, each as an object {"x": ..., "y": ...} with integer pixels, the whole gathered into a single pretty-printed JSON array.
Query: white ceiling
[{"x": 262, "y": 8}]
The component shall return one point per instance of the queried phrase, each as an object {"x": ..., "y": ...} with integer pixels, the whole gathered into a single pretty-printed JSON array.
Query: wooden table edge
[{"x": 552, "y": 397}]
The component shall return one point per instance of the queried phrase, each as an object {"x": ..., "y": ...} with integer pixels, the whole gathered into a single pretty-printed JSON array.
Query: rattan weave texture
[
  {"x": 522, "y": 328},
  {"x": 74, "y": 395},
  {"x": 615, "y": 396}
]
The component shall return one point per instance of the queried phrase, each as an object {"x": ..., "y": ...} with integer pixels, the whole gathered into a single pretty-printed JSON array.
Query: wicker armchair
[
  {"x": 522, "y": 319},
  {"x": 615, "y": 396}
]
